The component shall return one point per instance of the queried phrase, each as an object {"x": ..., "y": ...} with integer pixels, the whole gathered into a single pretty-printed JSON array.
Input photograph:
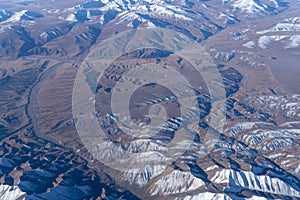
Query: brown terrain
[{"x": 41, "y": 150}]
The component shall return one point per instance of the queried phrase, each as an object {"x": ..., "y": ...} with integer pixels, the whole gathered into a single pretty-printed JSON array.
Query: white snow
[
  {"x": 249, "y": 6},
  {"x": 288, "y": 105},
  {"x": 221, "y": 177},
  {"x": 206, "y": 195},
  {"x": 251, "y": 181},
  {"x": 112, "y": 5},
  {"x": 142, "y": 176},
  {"x": 150, "y": 25},
  {"x": 266, "y": 40},
  {"x": 128, "y": 17},
  {"x": 15, "y": 18},
  {"x": 282, "y": 27},
  {"x": 275, "y": 155},
  {"x": 290, "y": 124},
  {"x": 215, "y": 196},
  {"x": 155, "y": 8},
  {"x": 246, "y": 126},
  {"x": 297, "y": 170},
  {"x": 211, "y": 168},
  {"x": 294, "y": 20},
  {"x": 11, "y": 192},
  {"x": 176, "y": 182},
  {"x": 71, "y": 18},
  {"x": 269, "y": 140},
  {"x": 285, "y": 28},
  {"x": 167, "y": 12},
  {"x": 250, "y": 44},
  {"x": 275, "y": 3},
  {"x": 3, "y": 13},
  {"x": 294, "y": 42}
]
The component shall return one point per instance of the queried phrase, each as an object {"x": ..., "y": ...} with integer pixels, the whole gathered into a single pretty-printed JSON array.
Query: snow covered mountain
[
  {"x": 10, "y": 17},
  {"x": 199, "y": 20},
  {"x": 256, "y": 6},
  {"x": 4, "y": 14},
  {"x": 11, "y": 192},
  {"x": 257, "y": 155}
]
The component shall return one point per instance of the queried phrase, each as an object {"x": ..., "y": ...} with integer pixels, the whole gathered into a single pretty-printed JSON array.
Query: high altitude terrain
[{"x": 254, "y": 43}]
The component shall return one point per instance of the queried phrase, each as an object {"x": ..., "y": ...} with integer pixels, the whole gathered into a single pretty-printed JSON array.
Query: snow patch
[
  {"x": 281, "y": 27},
  {"x": 249, "y": 180},
  {"x": 15, "y": 17},
  {"x": 206, "y": 195},
  {"x": 294, "y": 42},
  {"x": 11, "y": 192},
  {"x": 249, "y": 6},
  {"x": 176, "y": 182},
  {"x": 250, "y": 44},
  {"x": 71, "y": 18},
  {"x": 266, "y": 40},
  {"x": 142, "y": 176}
]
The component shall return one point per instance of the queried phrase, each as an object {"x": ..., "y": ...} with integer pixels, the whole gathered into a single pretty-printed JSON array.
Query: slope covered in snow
[
  {"x": 11, "y": 193},
  {"x": 286, "y": 31},
  {"x": 256, "y": 156},
  {"x": 19, "y": 16},
  {"x": 5, "y": 14},
  {"x": 239, "y": 180},
  {"x": 259, "y": 7},
  {"x": 265, "y": 41}
]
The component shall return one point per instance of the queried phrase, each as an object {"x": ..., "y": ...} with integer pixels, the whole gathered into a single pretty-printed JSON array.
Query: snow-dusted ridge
[
  {"x": 19, "y": 16},
  {"x": 249, "y": 180},
  {"x": 179, "y": 182},
  {"x": 5, "y": 14},
  {"x": 11, "y": 193},
  {"x": 266, "y": 40},
  {"x": 287, "y": 30},
  {"x": 131, "y": 9},
  {"x": 16, "y": 17},
  {"x": 176, "y": 182},
  {"x": 255, "y": 6}
]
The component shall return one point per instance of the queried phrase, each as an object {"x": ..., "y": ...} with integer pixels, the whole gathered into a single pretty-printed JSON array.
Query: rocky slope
[{"x": 255, "y": 45}]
